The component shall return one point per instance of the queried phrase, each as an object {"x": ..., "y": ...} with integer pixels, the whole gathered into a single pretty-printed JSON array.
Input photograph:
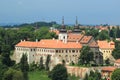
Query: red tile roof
[
  {"x": 49, "y": 43},
  {"x": 117, "y": 61},
  {"x": 74, "y": 37},
  {"x": 27, "y": 44},
  {"x": 86, "y": 39},
  {"x": 106, "y": 44},
  {"x": 110, "y": 68},
  {"x": 93, "y": 44}
]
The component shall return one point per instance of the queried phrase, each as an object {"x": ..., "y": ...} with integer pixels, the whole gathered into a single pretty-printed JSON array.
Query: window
[
  {"x": 66, "y": 51},
  {"x": 56, "y": 51},
  {"x": 73, "y": 51}
]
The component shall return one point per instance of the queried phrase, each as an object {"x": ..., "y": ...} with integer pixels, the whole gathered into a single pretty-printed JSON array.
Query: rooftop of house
[
  {"x": 50, "y": 43},
  {"x": 108, "y": 69},
  {"x": 85, "y": 39},
  {"x": 74, "y": 37},
  {"x": 93, "y": 44},
  {"x": 117, "y": 61},
  {"x": 106, "y": 44}
]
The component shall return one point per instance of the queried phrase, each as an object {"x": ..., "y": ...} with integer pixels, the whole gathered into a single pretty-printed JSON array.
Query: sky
[{"x": 87, "y": 11}]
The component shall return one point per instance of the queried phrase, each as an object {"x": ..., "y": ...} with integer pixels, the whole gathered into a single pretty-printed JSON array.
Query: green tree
[
  {"x": 86, "y": 56},
  {"x": 93, "y": 76},
  {"x": 116, "y": 51},
  {"x": 32, "y": 66},
  {"x": 12, "y": 74},
  {"x": 3, "y": 69},
  {"x": 5, "y": 59},
  {"x": 41, "y": 66},
  {"x": 47, "y": 62},
  {"x": 116, "y": 75},
  {"x": 59, "y": 72},
  {"x": 103, "y": 35},
  {"x": 24, "y": 66}
]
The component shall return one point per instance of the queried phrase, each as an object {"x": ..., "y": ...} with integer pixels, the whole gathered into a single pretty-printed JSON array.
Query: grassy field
[
  {"x": 42, "y": 75},
  {"x": 38, "y": 75}
]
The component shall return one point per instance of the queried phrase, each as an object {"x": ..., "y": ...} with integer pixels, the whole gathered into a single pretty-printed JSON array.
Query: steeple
[
  {"x": 63, "y": 28},
  {"x": 76, "y": 21},
  {"x": 63, "y": 21},
  {"x": 76, "y": 27}
]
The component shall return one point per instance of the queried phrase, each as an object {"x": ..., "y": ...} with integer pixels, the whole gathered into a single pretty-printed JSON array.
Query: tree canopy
[
  {"x": 59, "y": 72},
  {"x": 86, "y": 56},
  {"x": 116, "y": 75}
]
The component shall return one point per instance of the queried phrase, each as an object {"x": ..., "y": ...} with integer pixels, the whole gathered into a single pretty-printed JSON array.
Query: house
[
  {"x": 117, "y": 63},
  {"x": 106, "y": 48},
  {"x": 107, "y": 72}
]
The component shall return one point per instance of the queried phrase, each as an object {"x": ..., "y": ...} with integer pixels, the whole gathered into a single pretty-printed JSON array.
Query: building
[
  {"x": 106, "y": 48},
  {"x": 107, "y": 72},
  {"x": 117, "y": 63},
  {"x": 56, "y": 48},
  {"x": 67, "y": 47}
]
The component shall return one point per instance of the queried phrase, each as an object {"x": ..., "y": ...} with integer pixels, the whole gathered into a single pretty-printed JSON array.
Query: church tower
[
  {"x": 76, "y": 29},
  {"x": 63, "y": 32}
]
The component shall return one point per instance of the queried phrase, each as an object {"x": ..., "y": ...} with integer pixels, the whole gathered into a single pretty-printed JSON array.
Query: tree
[
  {"x": 59, "y": 72},
  {"x": 24, "y": 66},
  {"x": 12, "y": 74},
  {"x": 93, "y": 76},
  {"x": 5, "y": 59},
  {"x": 103, "y": 35},
  {"x": 41, "y": 66},
  {"x": 86, "y": 56},
  {"x": 3, "y": 69},
  {"x": 116, "y": 75},
  {"x": 116, "y": 53},
  {"x": 47, "y": 62}
]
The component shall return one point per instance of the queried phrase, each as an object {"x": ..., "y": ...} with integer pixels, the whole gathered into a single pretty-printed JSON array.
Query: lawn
[
  {"x": 38, "y": 75},
  {"x": 42, "y": 75}
]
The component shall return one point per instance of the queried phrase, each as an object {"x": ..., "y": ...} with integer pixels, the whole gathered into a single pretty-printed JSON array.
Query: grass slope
[{"x": 38, "y": 75}]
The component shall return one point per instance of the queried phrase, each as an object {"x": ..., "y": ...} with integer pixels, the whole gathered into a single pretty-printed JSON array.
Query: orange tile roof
[
  {"x": 74, "y": 37},
  {"x": 117, "y": 61},
  {"x": 27, "y": 44},
  {"x": 49, "y": 43},
  {"x": 93, "y": 44},
  {"x": 86, "y": 39},
  {"x": 110, "y": 68},
  {"x": 106, "y": 44}
]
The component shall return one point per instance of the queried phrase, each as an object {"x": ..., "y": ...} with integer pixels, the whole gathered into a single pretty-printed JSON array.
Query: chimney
[
  {"x": 36, "y": 40},
  {"x": 77, "y": 41}
]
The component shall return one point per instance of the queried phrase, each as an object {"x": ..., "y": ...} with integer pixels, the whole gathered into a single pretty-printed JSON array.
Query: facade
[
  {"x": 106, "y": 48},
  {"x": 55, "y": 48}
]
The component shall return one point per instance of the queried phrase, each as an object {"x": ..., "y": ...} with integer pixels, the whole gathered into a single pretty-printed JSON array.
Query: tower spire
[
  {"x": 63, "y": 21},
  {"x": 76, "y": 21}
]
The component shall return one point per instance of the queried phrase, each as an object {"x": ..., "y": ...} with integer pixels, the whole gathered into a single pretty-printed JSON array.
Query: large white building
[{"x": 67, "y": 47}]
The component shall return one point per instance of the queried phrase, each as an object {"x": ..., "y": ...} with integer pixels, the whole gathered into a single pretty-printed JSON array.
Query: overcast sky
[{"x": 88, "y": 11}]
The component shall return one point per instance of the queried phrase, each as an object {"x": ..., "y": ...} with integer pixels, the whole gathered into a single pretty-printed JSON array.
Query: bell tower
[
  {"x": 63, "y": 32},
  {"x": 76, "y": 29}
]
